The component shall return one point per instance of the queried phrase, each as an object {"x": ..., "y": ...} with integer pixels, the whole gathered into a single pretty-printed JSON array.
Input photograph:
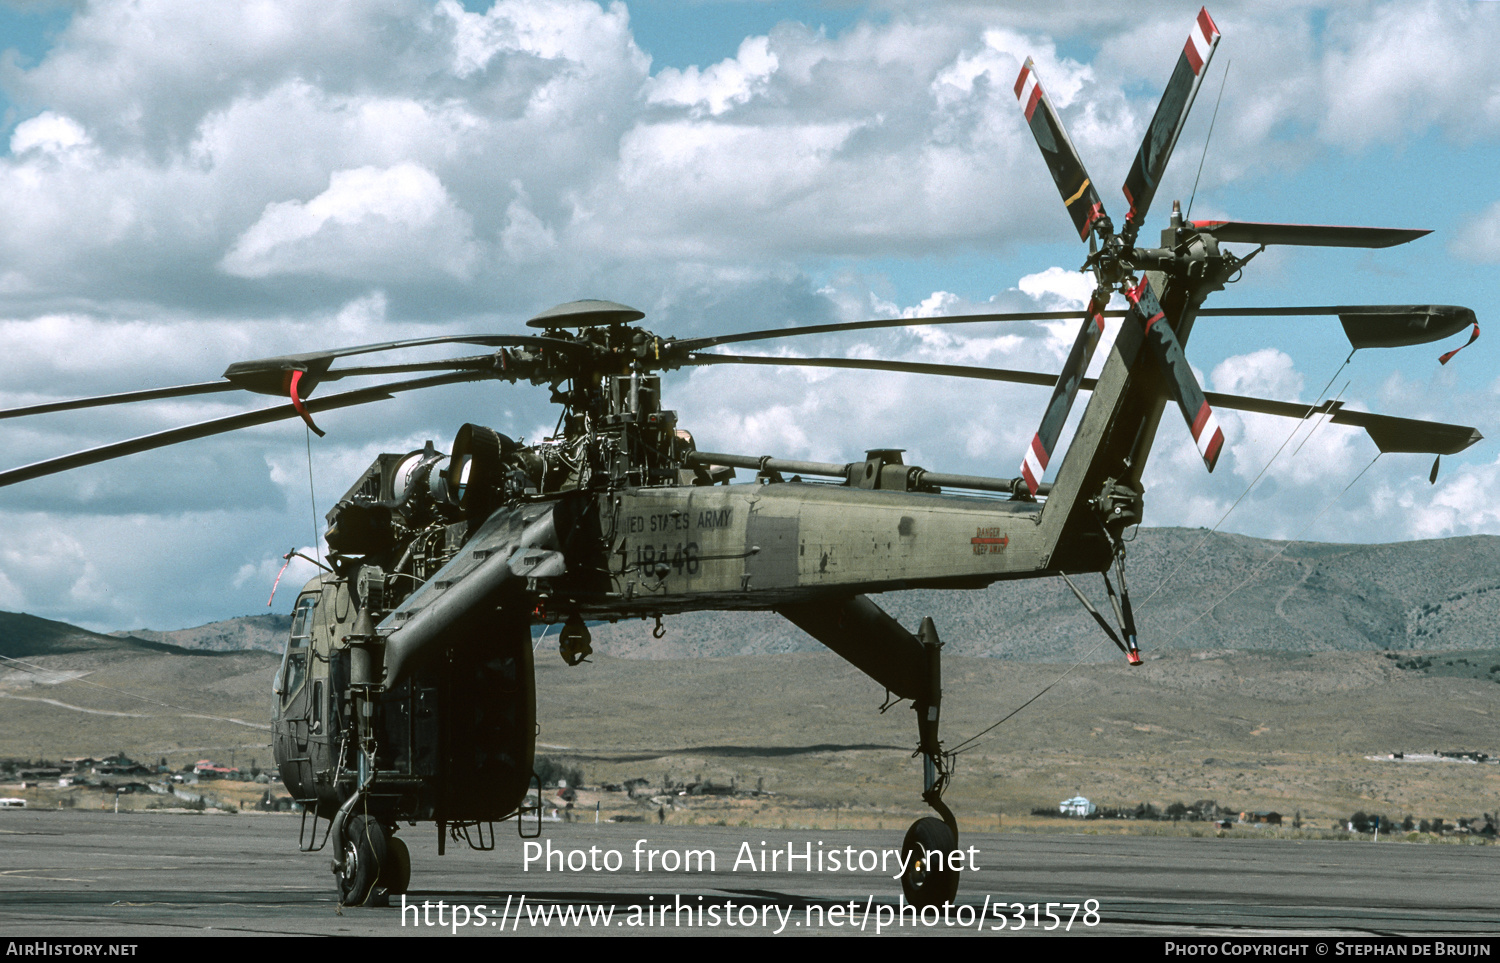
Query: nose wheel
[
  {"x": 395, "y": 876},
  {"x": 366, "y": 857}
]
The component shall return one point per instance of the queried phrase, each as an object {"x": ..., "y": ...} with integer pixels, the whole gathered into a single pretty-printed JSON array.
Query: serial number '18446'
[{"x": 680, "y": 557}]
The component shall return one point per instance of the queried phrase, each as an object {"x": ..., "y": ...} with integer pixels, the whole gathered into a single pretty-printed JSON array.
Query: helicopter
[{"x": 406, "y": 691}]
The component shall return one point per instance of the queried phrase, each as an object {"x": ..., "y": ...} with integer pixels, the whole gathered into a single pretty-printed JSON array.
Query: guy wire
[
  {"x": 1320, "y": 422},
  {"x": 1253, "y": 482},
  {"x": 968, "y": 743},
  {"x": 1287, "y": 544}
]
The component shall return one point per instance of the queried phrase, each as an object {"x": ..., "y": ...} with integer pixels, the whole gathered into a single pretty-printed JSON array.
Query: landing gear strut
[
  {"x": 929, "y": 878},
  {"x": 910, "y": 667},
  {"x": 363, "y": 863}
]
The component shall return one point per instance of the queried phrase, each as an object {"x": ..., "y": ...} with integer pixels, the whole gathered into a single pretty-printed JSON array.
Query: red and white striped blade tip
[{"x": 1208, "y": 436}]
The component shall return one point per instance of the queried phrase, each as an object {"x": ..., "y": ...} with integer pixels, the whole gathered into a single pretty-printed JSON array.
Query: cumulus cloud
[
  {"x": 370, "y": 223},
  {"x": 1268, "y": 373},
  {"x": 1057, "y": 289},
  {"x": 1372, "y": 92},
  {"x": 726, "y": 84},
  {"x": 48, "y": 132},
  {"x": 516, "y": 143},
  {"x": 1461, "y": 504}
]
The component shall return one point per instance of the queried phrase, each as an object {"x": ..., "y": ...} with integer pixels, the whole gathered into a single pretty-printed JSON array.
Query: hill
[
  {"x": 22, "y": 635},
  {"x": 266, "y": 633}
]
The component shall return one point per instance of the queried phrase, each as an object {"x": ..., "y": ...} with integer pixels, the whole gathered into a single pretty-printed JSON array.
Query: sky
[{"x": 187, "y": 185}]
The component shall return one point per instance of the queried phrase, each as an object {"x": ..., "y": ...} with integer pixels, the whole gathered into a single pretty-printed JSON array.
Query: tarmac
[{"x": 104, "y": 876}]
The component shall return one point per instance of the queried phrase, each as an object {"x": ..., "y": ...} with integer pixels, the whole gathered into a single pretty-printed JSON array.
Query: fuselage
[{"x": 760, "y": 546}]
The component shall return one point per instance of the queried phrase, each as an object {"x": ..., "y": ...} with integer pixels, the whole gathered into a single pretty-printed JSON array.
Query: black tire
[
  {"x": 395, "y": 875},
  {"x": 365, "y": 855},
  {"x": 923, "y": 885}
]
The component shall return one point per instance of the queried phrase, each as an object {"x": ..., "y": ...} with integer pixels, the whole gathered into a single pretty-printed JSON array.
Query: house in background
[{"x": 1077, "y": 806}]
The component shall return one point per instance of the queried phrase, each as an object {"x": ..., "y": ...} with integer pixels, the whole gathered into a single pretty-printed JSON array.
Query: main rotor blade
[
  {"x": 124, "y": 397},
  {"x": 219, "y": 426},
  {"x": 1171, "y": 113},
  {"x": 1312, "y": 235},
  {"x": 475, "y": 362},
  {"x": 1068, "y": 172},
  {"x": 472, "y": 362},
  {"x": 1399, "y": 325},
  {"x": 1374, "y": 325},
  {"x": 1390, "y": 434},
  {"x": 1356, "y": 315},
  {"x": 767, "y": 334},
  {"x": 902, "y": 367},
  {"x": 267, "y": 375}
]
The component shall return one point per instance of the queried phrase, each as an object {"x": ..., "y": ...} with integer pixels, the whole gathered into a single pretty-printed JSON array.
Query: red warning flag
[{"x": 1473, "y": 336}]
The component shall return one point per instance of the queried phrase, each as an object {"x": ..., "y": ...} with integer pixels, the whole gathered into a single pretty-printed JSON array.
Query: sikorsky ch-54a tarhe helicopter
[{"x": 406, "y": 692}]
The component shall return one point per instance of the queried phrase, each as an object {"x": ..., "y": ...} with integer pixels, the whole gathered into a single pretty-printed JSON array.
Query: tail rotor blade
[
  {"x": 1067, "y": 169},
  {"x": 1044, "y": 442},
  {"x": 1181, "y": 381},
  {"x": 1171, "y": 114}
]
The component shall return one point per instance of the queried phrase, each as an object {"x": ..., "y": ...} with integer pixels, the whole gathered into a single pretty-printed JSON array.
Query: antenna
[{"x": 1215, "y": 117}]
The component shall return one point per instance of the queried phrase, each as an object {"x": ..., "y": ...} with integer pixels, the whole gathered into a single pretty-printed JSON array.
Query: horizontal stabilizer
[{"x": 1314, "y": 235}]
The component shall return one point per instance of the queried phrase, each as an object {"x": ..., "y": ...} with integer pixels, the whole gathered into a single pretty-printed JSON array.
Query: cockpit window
[
  {"x": 294, "y": 662},
  {"x": 302, "y": 621}
]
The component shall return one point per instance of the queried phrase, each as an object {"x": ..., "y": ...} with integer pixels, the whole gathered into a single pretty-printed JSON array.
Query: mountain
[
  {"x": 22, "y": 635},
  {"x": 266, "y": 633}
]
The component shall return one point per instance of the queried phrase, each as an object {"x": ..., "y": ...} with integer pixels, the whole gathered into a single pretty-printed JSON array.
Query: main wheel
[
  {"x": 365, "y": 854},
  {"x": 395, "y": 875},
  {"x": 924, "y": 885}
]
